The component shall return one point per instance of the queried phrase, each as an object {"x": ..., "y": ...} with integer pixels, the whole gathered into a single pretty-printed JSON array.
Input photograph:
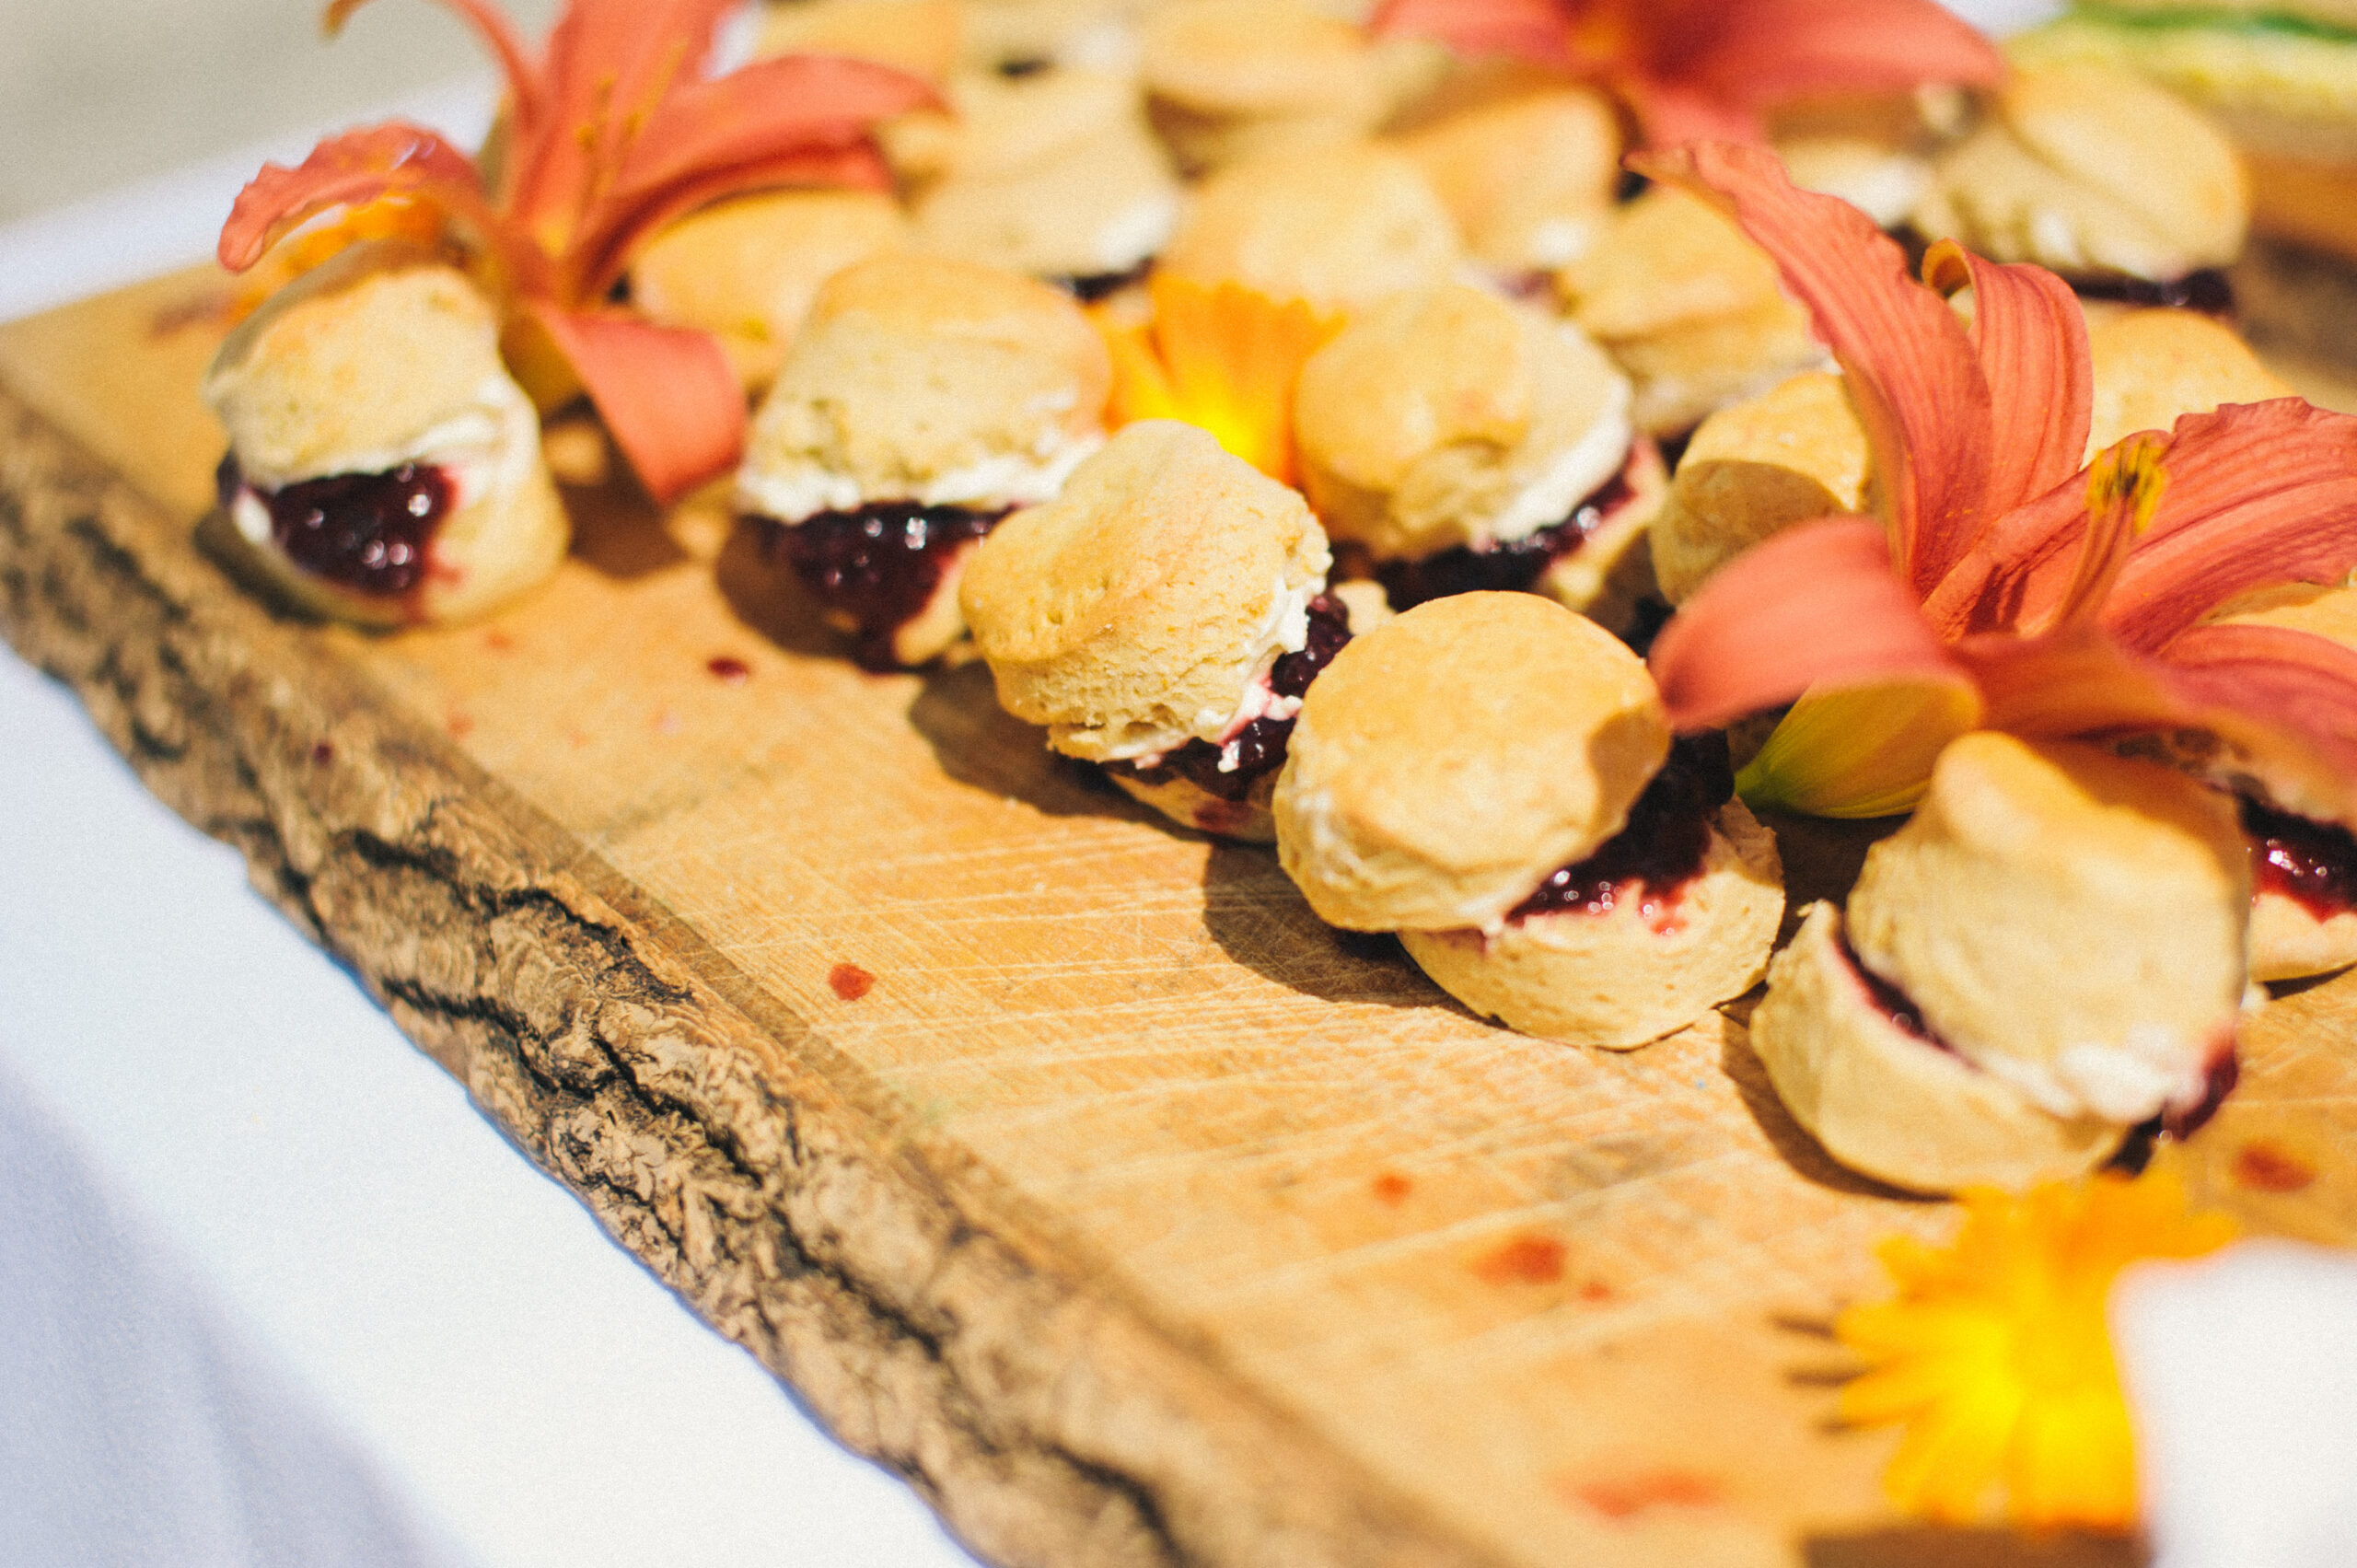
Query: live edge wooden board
[{"x": 1132, "y": 1215}]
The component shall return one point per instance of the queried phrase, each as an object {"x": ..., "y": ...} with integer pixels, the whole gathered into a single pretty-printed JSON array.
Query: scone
[
  {"x": 923, "y": 400},
  {"x": 1340, "y": 227},
  {"x": 2280, "y": 75},
  {"x": 1689, "y": 307},
  {"x": 383, "y": 467},
  {"x": 1163, "y": 620},
  {"x": 2304, "y": 872},
  {"x": 1231, "y": 79},
  {"x": 1527, "y": 165},
  {"x": 748, "y": 270},
  {"x": 1055, "y": 174},
  {"x": 1458, "y": 442},
  {"x": 2102, "y": 176},
  {"x": 1959, "y": 1027},
  {"x": 1485, "y": 775}
]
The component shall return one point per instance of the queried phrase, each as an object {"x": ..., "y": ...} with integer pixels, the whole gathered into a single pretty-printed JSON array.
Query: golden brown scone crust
[
  {"x": 1234, "y": 79},
  {"x": 2087, "y": 169},
  {"x": 1688, "y": 307},
  {"x": 1447, "y": 417},
  {"x": 1135, "y": 611},
  {"x": 1885, "y": 1102},
  {"x": 1791, "y": 455},
  {"x": 1056, "y": 174},
  {"x": 1340, "y": 227},
  {"x": 2070, "y": 921},
  {"x": 921, "y": 377},
  {"x": 1447, "y": 762},
  {"x": 381, "y": 356},
  {"x": 362, "y": 355},
  {"x": 2153, "y": 366},
  {"x": 1622, "y": 979},
  {"x": 748, "y": 270},
  {"x": 1529, "y": 176}
]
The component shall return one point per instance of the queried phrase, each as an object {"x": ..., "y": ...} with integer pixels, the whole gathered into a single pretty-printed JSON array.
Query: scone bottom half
[
  {"x": 1978, "y": 1037},
  {"x": 383, "y": 467},
  {"x": 1163, "y": 620},
  {"x": 1490, "y": 776}
]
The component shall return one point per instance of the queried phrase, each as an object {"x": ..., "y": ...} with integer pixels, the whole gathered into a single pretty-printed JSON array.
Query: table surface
[{"x": 448, "y": 1336}]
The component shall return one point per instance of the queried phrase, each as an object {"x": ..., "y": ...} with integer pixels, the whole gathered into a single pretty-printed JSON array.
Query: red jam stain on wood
[
  {"x": 850, "y": 982},
  {"x": 728, "y": 670},
  {"x": 1524, "y": 1259},
  {"x": 322, "y": 754},
  {"x": 1625, "y": 1497},
  {"x": 498, "y": 641},
  {"x": 1391, "y": 1188},
  {"x": 1596, "y": 1292},
  {"x": 460, "y": 726},
  {"x": 2263, "y": 1167}
]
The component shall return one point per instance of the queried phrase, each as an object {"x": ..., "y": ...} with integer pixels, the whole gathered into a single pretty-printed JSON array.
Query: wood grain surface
[{"x": 1058, "y": 1158}]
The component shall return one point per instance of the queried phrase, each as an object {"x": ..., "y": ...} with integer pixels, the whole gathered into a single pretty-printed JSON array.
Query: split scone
[
  {"x": 1162, "y": 619},
  {"x": 383, "y": 467},
  {"x": 1455, "y": 442},
  {"x": 1688, "y": 307},
  {"x": 2102, "y": 176},
  {"x": 1231, "y": 79},
  {"x": 748, "y": 270},
  {"x": 923, "y": 400},
  {"x": 1340, "y": 227},
  {"x": 2047, "y": 954},
  {"x": 1492, "y": 776},
  {"x": 1528, "y": 165},
  {"x": 2304, "y": 872},
  {"x": 1055, "y": 173}
]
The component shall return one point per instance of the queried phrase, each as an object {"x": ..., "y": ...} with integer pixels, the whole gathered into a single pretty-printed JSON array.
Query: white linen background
[{"x": 270, "y": 1292}]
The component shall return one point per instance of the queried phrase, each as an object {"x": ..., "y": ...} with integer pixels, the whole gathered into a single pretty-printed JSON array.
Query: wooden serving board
[{"x": 1131, "y": 1214}]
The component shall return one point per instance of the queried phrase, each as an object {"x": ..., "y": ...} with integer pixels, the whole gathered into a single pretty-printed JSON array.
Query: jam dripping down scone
[
  {"x": 383, "y": 468},
  {"x": 923, "y": 400},
  {"x": 1492, "y": 776},
  {"x": 1955, "y": 1026},
  {"x": 1162, "y": 619},
  {"x": 1452, "y": 442}
]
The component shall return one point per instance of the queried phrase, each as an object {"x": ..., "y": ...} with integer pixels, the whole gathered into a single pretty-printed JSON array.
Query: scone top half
[
  {"x": 1450, "y": 761},
  {"x": 925, "y": 380},
  {"x": 383, "y": 465},
  {"x": 1147, "y": 605}
]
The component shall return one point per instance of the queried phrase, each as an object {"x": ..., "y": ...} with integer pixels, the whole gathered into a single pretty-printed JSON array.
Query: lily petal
[
  {"x": 345, "y": 171},
  {"x": 1765, "y": 52},
  {"x": 669, "y": 397},
  {"x": 1912, "y": 372},
  {"x": 2281, "y": 704},
  {"x": 1815, "y": 606},
  {"x": 1536, "y": 30},
  {"x": 2032, "y": 339},
  {"x": 2259, "y": 493}
]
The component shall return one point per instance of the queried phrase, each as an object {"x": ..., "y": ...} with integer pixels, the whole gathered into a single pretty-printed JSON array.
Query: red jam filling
[
  {"x": 1507, "y": 567},
  {"x": 879, "y": 566},
  {"x": 368, "y": 532},
  {"x": 1651, "y": 860},
  {"x": 2313, "y": 863},
  {"x": 1259, "y": 749}
]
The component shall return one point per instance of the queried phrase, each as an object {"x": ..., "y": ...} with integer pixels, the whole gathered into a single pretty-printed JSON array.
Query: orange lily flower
[
  {"x": 1219, "y": 355},
  {"x": 2057, "y": 600},
  {"x": 1696, "y": 69},
  {"x": 610, "y": 134}
]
